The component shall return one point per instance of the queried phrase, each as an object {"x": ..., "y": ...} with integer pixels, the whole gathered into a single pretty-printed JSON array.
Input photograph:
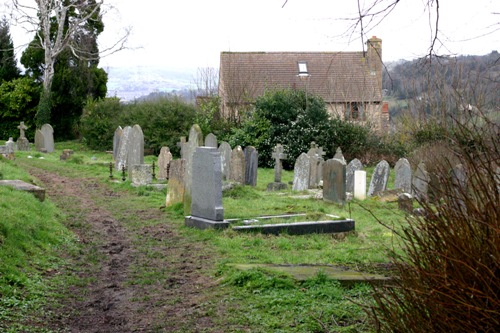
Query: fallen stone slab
[
  {"x": 38, "y": 192},
  {"x": 346, "y": 277},
  {"x": 301, "y": 228}
]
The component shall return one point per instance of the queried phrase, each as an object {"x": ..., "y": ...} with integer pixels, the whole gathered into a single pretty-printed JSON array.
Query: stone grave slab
[
  {"x": 334, "y": 181},
  {"x": 301, "y": 172},
  {"x": 238, "y": 166},
  {"x": 175, "y": 191},
  {"x": 48, "y": 136},
  {"x": 141, "y": 174},
  {"x": 379, "y": 178},
  {"x": 164, "y": 159},
  {"x": 251, "y": 165},
  {"x": 135, "y": 155},
  {"x": 38, "y": 192}
]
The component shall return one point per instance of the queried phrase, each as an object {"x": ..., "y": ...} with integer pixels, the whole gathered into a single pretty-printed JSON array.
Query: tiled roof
[{"x": 335, "y": 76}]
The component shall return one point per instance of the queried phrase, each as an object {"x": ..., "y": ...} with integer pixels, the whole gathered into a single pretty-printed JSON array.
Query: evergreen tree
[{"x": 8, "y": 66}]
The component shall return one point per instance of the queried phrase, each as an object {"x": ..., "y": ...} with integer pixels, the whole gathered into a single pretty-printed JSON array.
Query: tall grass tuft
[{"x": 448, "y": 278}]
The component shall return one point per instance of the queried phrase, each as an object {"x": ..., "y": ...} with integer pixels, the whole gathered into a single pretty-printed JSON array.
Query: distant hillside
[{"x": 130, "y": 83}]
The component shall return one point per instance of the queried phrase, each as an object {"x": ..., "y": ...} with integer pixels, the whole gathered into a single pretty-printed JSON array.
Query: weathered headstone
[
  {"x": 338, "y": 155},
  {"x": 225, "y": 156},
  {"x": 353, "y": 166},
  {"x": 48, "y": 136},
  {"x": 121, "y": 158},
  {"x": 405, "y": 202},
  {"x": 22, "y": 142},
  {"x": 141, "y": 174},
  {"x": 182, "y": 145},
  {"x": 195, "y": 140},
  {"x": 402, "y": 170},
  {"x": 251, "y": 165},
  {"x": 315, "y": 161},
  {"x": 211, "y": 140},
  {"x": 379, "y": 178},
  {"x": 39, "y": 141},
  {"x": 135, "y": 155},
  {"x": 116, "y": 141},
  {"x": 301, "y": 172},
  {"x": 360, "y": 184},
  {"x": 164, "y": 159},
  {"x": 9, "y": 149},
  {"x": 334, "y": 180},
  {"x": 238, "y": 166},
  {"x": 206, "y": 205},
  {"x": 175, "y": 191},
  {"x": 278, "y": 155},
  {"x": 420, "y": 183}
]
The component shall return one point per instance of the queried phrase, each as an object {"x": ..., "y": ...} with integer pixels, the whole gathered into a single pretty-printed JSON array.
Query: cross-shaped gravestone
[
  {"x": 278, "y": 155},
  {"x": 313, "y": 145},
  {"x": 320, "y": 152},
  {"x": 22, "y": 128}
]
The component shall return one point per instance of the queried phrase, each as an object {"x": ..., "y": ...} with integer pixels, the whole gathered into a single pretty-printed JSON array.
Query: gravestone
[
  {"x": 238, "y": 166},
  {"x": 320, "y": 153},
  {"x": 278, "y": 155},
  {"x": 379, "y": 178},
  {"x": 135, "y": 155},
  {"x": 225, "y": 157},
  {"x": 182, "y": 144},
  {"x": 206, "y": 205},
  {"x": 334, "y": 181},
  {"x": 116, "y": 141},
  {"x": 195, "y": 140},
  {"x": 211, "y": 140},
  {"x": 301, "y": 172},
  {"x": 22, "y": 143},
  {"x": 353, "y": 166},
  {"x": 360, "y": 184},
  {"x": 175, "y": 191},
  {"x": 420, "y": 182},
  {"x": 402, "y": 170},
  {"x": 48, "y": 136},
  {"x": 315, "y": 162},
  {"x": 39, "y": 141},
  {"x": 251, "y": 165},
  {"x": 164, "y": 159},
  {"x": 9, "y": 149},
  {"x": 405, "y": 202},
  {"x": 141, "y": 174},
  {"x": 121, "y": 158},
  {"x": 338, "y": 155},
  {"x": 66, "y": 154}
]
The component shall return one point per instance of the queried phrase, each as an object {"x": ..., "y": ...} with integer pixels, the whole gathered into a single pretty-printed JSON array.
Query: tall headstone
[
  {"x": 379, "y": 178},
  {"x": 420, "y": 182},
  {"x": 121, "y": 157},
  {"x": 353, "y": 166},
  {"x": 251, "y": 165},
  {"x": 315, "y": 162},
  {"x": 195, "y": 140},
  {"x": 135, "y": 154},
  {"x": 22, "y": 142},
  {"x": 48, "y": 136},
  {"x": 301, "y": 172},
  {"x": 338, "y": 155},
  {"x": 116, "y": 141},
  {"x": 360, "y": 184},
  {"x": 206, "y": 206},
  {"x": 211, "y": 140},
  {"x": 164, "y": 159},
  {"x": 225, "y": 156},
  {"x": 238, "y": 166},
  {"x": 39, "y": 141},
  {"x": 182, "y": 145},
  {"x": 402, "y": 170},
  {"x": 175, "y": 191},
  {"x": 278, "y": 155},
  {"x": 334, "y": 180}
]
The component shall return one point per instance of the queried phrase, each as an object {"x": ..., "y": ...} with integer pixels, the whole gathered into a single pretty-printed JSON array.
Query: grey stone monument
[
  {"x": 420, "y": 182},
  {"x": 278, "y": 155},
  {"x": 315, "y": 162},
  {"x": 301, "y": 171},
  {"x": 251, "y": 165},
  {"x": 22, "y": 142},
  {"x": 164, "y": 159},
  {"x": 211, "y": 140},
  {"x": 338, "y": 155},
  {"x": 182, "y": 146},
  {"x": 175, "y": 191},
  {"x": 48, "y": 136},
  {"x": 402, "y": 170},
  {"x": 206, "y": 205},
  {"x": 116, "y": 141},
  {"x": 121, "y": 157},
  {"x": 39, "y": 141},
  {"x": 135, "y": 153},
  {"x": 225, "y": 156},
  {"x": 238, "y": 166},
  {"x": 352, "y": 167},
  {"x": 195, "y": 140},
  {"x": 334, "y": 181},
  {"x": 379, "y": 178},
  {"x": 141, "y": 174}
]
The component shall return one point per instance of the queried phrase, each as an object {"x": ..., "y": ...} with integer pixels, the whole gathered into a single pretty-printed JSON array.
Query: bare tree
[{"x": 206, "y": 81}]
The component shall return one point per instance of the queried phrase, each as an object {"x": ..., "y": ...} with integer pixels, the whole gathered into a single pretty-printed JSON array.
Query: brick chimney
[{"x": 374, "y": 55}]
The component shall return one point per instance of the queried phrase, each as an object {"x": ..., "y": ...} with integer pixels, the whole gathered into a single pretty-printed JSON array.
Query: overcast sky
[{"x": 192, "y": 33}]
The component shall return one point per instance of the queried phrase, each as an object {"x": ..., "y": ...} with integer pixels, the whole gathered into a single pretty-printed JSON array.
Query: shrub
[{"x": 447, "y": 279}]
